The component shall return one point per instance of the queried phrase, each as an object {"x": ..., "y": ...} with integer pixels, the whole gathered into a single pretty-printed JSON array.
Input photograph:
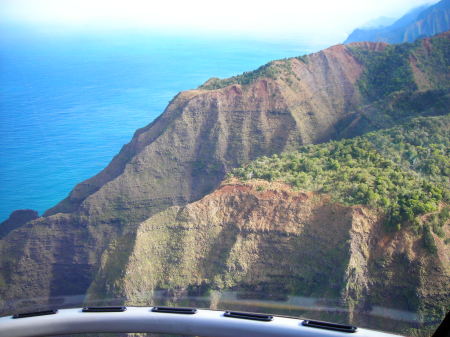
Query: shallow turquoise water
[{"x": 69, "y": 102}]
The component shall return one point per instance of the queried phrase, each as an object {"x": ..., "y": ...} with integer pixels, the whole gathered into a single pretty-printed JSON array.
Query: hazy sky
[{"x": 325, "y": 20}]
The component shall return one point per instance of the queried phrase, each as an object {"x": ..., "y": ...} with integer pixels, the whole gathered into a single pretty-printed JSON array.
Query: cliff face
[
  {"x": 265, "y": 241},
  {"x": 17, "y": 219},
  {"x": 182, "y": 156},
  {"x": 223, "y": 128},
  {"x": 234, "y": 236},
  {"x": 432, "y": 21},
  {"x": 419, "y": 23}
]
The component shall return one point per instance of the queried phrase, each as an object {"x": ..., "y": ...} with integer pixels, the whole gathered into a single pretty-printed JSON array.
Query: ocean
[{"x": 70, "y": 101}]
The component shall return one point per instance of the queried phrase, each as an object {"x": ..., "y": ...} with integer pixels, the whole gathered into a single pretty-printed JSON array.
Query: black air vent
[
  {"x": 248, "y": 315},
  {"x": 37, "y": 313},
  {"x": 170, "y": 310},
  {"x": 104, "y": 309},
  {"x": 329, "y": 326}
]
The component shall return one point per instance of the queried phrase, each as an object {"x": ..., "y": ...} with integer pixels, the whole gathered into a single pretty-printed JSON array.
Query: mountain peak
[{"x": 420, "y": 22}]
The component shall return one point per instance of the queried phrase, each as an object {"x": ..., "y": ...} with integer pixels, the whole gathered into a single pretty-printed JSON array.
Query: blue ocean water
[{"x": 69, "y": 102}]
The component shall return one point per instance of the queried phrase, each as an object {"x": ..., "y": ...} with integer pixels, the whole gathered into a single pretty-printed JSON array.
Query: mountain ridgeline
[
  {"x": 360, "y": 219},
  {"x": 420, "y": 22}
]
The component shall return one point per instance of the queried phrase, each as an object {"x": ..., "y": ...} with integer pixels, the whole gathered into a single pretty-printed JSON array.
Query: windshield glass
[{"x": 290, "y": 159}]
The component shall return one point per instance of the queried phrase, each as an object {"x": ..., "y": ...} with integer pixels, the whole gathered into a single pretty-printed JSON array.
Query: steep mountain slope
[
  {"x": 17, "y": 219},
  {"x": 418, "y": 23},
  {"x": 266, "y": 241},
  {"x": 202, "y": 135}
]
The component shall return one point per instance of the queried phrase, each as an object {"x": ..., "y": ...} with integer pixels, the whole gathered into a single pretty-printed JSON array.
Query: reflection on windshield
[{"x": 294, "y": 306}]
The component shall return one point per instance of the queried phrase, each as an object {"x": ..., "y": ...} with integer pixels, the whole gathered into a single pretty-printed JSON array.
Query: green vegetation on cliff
[
  {"x": 403, "y": 171},
  {"x": 390, "y": 69},
  {"x": 268, "y": 70},
  {"x": 386, "y": 71}
]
